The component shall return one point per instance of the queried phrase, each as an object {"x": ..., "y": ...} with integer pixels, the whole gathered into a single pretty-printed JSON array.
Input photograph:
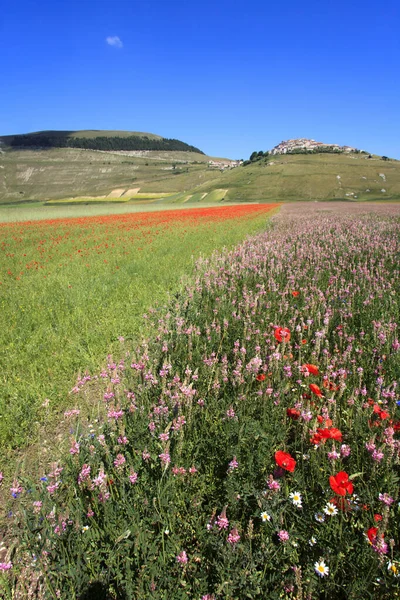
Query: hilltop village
[{"x": 301, "y": 144}]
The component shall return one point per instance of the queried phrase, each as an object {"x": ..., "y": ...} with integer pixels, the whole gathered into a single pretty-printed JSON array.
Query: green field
[
  {"x": 290, "y": 178},
  {"x": 69, "y": 289}
]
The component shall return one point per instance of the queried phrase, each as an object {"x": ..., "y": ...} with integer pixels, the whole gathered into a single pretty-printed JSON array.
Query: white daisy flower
[
  {"x": 85, "y": 528},
  {"x": 320, "y": 517},
  {"x": 321, "y": 569},
  {"x": 265, "y": 516},
  {"x": 330, "y": 509},
  {"x": 296, "y": 498},
  {"x": 312, "y": 541}
]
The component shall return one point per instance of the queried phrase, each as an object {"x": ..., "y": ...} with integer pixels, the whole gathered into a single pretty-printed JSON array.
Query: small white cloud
[{"x": 114, "y": 40}]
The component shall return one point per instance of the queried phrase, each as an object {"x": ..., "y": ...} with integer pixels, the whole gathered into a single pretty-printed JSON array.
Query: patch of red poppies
[
  {"x": 285, "y": 461},
  {"x": 316, "y": 390},
  {"x": 341, "y": 484}
]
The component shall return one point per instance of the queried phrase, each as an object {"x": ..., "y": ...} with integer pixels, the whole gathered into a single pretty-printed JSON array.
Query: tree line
[{"x": 101, "y": 143}]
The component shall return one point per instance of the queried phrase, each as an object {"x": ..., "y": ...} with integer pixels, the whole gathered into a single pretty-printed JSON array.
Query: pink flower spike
[
  {"x": 133, "y": 477},
  {"x": 233, "y": 536},
  {"x": 233, "y": 464},
  {"x": 182, "y": 558}
]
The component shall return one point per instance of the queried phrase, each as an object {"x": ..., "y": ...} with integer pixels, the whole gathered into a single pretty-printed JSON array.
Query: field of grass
[
  {"x": 70, "y": 287},
  {"x": 249, "y": 448},
  {"x": 316, "y": 177}
]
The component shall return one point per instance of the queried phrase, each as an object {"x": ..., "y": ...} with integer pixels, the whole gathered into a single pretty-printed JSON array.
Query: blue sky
[{"x": 229, "y": 77}]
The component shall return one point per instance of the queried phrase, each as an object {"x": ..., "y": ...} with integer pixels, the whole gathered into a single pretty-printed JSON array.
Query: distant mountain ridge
[{"x": 96, "y": 140}]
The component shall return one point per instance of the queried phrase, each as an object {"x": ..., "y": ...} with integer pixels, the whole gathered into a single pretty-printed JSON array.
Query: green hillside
[
  {"x": 59, "y": 173},
  {"x": 312, "y": 177},
  {"x": 33, "y": 174}
]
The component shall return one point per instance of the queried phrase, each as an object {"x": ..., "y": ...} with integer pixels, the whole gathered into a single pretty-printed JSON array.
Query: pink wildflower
[
  {"x": 115, "y": 414},
  {"x": 16, "y": 489},
  {"x": 178, "y": 470},
  {"x": 333, "y": 455},
  {"x": 345, "y": 451},
  {"x": 273, "y": 484},
  {"x": 182, "y": 558},
  {"x": 72, "y": 413},
  {"x": 100, "y": 480},
  {"x": 179, "y": 423},
  {"x": 5, "y": 566},
  {"x": 74, "y": 448},
  {"x": 53, "y": 488},
  {"x": 119, "y": 461},
  {"x": 386, "y": 499},
  {"x": 233, "y": 536},
  {"x": 165, "y": 458},
  {"x": 133, "y": 477},
  {"x": 283, "y": 535},
  {"x": 233, "y": 464},
  {"x": 222, "y": 521},
  {"x": 84, "y": 474}
]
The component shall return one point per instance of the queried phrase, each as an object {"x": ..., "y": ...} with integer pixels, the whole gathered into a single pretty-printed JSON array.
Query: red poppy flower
[
  {"x": 284, "y": 460},
  {"x": 340, "y": 483},
  {"x": 371, "y": 533},
  {"x": 260, "y": 377},
  {"x": 330, "y": 385},
  {"x": 330, "y": 434},
  {"x": 282, "y": 334},
  {"x": 328, "y": 422},
  {"x": 315, "y": 390},
  {"x": 316, "y": 439},
  {"x": 311, "y": 369},
  {"x": 304, "y": 342},
  {"x": 293, "y": 413},
  {"x": 382, "y": 414},
  {"x": 295, "y": 294},
  {"x": 378, "y": 518}
]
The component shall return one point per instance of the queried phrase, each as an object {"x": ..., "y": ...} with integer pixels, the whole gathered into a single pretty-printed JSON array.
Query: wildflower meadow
[
  {"x": 250, "y": 447},
  {"x": 70, "y": 288}
]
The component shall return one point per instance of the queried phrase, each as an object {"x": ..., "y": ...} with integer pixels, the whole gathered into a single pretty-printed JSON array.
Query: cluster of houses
[
  {"x": 223, "y": 165},
  {"x": 308, "y": 145}
]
